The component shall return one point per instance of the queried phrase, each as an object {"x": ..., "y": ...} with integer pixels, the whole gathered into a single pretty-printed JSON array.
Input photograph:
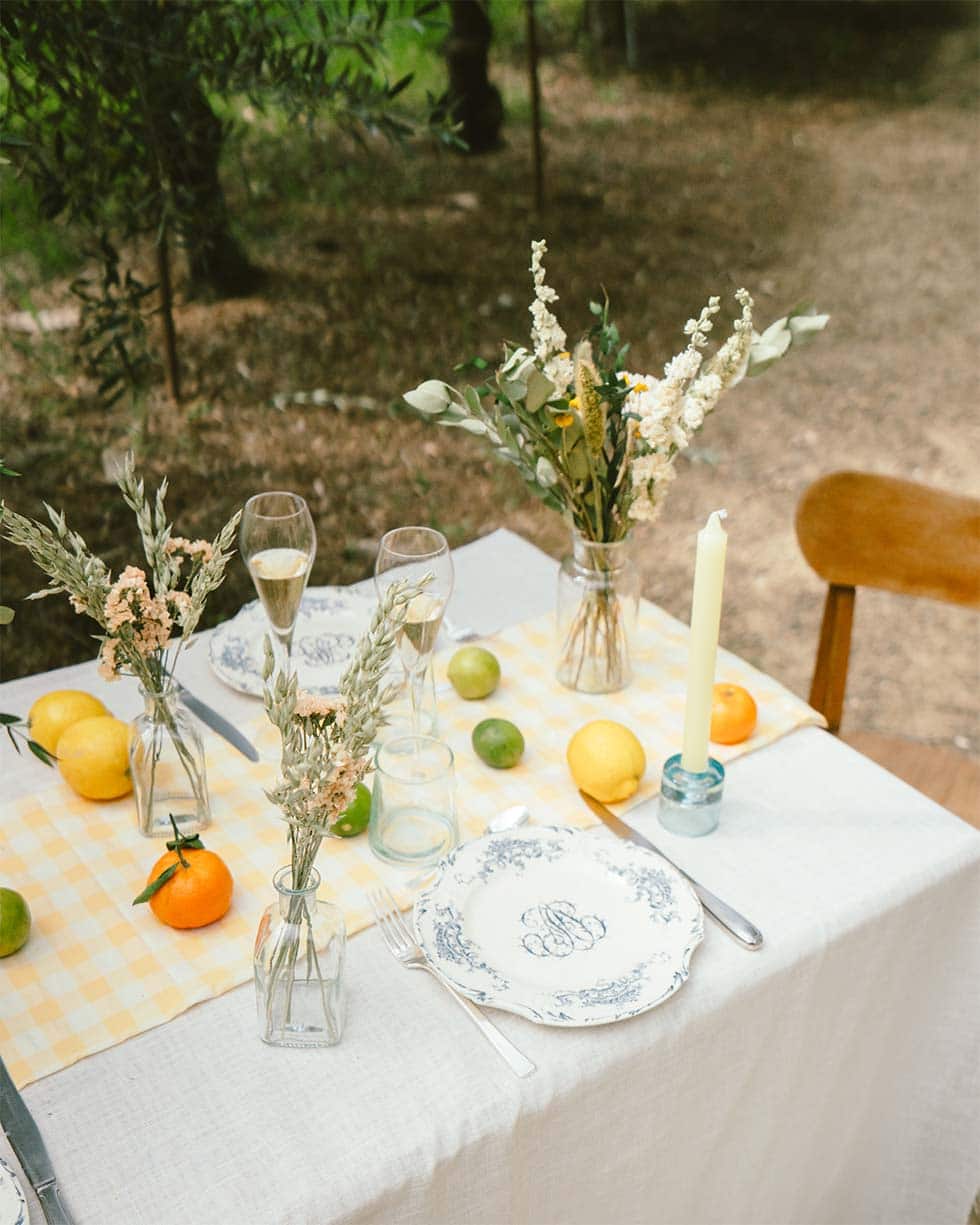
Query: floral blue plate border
[
  {"x": 330, "y": 621},
  {"x": 560, "y": 926},
  {"x": 13, "y": 1205}
]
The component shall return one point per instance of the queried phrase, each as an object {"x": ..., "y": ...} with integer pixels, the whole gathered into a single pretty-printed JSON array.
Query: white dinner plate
[
  {"x": 13, "y": 1205},
  {"x": 560, "y": 926},
  {"x": 330, "y": 621}
]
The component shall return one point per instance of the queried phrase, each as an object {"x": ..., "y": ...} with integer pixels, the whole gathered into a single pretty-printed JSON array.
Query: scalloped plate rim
[
  {"x": 10, "y": 1182},
  {"x": 241, "y": 625},
  {"x": 521, "y": 1008}
]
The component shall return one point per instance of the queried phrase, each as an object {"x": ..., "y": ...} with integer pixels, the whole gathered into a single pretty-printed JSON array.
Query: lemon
[
  {"x": 93, "y": 757},
  {"x": 355, "y": 819},
  {"x": 50, "y": 715},
  {"x": 474, "y": 672},
  {"x": 606, "y": 760},
  {"x": 498, "y": 742},
  {"x": 15, "y": 922}
]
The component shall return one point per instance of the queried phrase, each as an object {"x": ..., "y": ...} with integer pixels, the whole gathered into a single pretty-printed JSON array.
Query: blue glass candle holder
[{"x": 689, "y": 802}]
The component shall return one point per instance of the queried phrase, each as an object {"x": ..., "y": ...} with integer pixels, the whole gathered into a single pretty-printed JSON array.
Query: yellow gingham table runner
[{"x": 98, "y": 970}]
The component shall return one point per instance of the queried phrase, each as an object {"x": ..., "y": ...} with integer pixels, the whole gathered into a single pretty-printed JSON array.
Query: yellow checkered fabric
[{"x": 98, "y": 970}]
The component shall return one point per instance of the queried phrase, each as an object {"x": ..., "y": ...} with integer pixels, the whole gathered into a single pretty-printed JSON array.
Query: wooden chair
[{"x": 858, "y": 530}]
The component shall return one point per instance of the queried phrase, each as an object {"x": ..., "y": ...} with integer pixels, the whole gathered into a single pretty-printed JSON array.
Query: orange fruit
[
  {"x": 194, "y": 896},
  {"x": 733, "y": 713}
]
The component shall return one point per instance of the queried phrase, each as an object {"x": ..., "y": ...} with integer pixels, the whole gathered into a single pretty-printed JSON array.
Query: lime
[
  {"x": 15, "y": 922},
  {"x": 498, "y": 742},
  {"x": 355, "y": 819},
  {"x": 474, "y": 672}
]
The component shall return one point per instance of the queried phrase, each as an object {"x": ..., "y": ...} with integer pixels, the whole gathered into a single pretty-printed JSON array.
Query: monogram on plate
[{"x": 556, "y": 930}]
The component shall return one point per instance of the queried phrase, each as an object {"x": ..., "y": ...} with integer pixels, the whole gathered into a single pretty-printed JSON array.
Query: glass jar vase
[
  {"x": 299, "y": 966},
  {"x": 598, "y": 604},
  {"x": 166, "y": 763}
]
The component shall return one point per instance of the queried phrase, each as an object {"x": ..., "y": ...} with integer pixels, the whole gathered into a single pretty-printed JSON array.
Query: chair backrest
[{"x": 860, "y": 530}]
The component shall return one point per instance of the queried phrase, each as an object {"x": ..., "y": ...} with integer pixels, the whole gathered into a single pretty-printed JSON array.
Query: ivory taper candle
[{"x": 709, "y": 578}]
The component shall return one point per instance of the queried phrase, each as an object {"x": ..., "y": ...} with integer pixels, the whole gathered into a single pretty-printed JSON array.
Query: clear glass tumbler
[{"x": 413, "y": 803}]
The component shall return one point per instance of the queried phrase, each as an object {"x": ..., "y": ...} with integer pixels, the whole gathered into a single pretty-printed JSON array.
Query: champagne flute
[
  {"x": 409, "y": 553},
  {"x": 278, "y": 543}
]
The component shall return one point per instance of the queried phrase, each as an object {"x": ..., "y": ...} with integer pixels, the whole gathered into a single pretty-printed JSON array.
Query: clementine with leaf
[
  {"x": 733, "y": 713},
  {"x": 189, "y": 886}
]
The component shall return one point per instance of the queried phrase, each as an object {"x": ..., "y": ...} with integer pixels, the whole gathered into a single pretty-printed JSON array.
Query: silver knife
[
  {"x": 25, "y": 1139},
  {"x": 218, "y": 723},
  {"x": 737, "y": 924}
]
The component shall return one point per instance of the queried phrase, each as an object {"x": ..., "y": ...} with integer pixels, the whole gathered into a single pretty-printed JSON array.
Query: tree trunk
[
  {"x": 475, "y": 101},
  {"x": 606, "y": 23},
  {"x": 537, "y": 152},
  {"x": 171, "y": 365},
  {"x": 185, "y": 136},
  {"x": 190, "y": 151}
]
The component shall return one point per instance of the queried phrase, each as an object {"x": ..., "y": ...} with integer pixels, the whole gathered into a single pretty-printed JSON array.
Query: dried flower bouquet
[
  {"x": 598, "y": 442},
  {"x": 145, "y": 621}
]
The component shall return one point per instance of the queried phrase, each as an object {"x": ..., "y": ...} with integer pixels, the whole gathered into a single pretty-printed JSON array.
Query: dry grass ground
[{"x": 385, "y": 270}]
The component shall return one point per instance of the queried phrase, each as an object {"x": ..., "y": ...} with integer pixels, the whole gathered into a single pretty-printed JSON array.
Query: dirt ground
[{"x": 385, "y": 270}]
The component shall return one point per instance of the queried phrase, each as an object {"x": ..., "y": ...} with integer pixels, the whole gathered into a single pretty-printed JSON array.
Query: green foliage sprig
[
  {"x": 11, "y": 725},
  {"x": 108, "y": 109}
]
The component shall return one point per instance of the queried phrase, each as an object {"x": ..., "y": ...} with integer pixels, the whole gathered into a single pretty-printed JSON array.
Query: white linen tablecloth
[{"x": 832, "y": 1077}]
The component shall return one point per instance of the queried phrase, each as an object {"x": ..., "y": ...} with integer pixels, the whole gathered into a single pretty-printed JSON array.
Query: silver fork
[{"x": 402, "y": 946}]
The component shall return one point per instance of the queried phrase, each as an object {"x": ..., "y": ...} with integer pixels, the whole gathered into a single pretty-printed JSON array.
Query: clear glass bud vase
[
  {"x": 598, "y": 603},
  {"x": 299, "y": 966},
  {"x": 166, "y": 762}
]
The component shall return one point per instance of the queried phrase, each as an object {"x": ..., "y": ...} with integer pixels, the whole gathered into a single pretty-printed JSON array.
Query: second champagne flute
[
  {"x": 410, "y": 553},
  {"x": 278, "y": 544}
]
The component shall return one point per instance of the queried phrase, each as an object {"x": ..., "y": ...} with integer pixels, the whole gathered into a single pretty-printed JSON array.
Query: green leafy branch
[
  {"x": 11, "y": 725},
  {"x": 179, "y": 843}
]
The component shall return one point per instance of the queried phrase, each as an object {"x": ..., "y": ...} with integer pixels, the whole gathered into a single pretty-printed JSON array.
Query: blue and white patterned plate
[
  {"x": 560, "y": 926},
  {"x": 330, "y": 621},
  {"x": 13, "y": 1205}
]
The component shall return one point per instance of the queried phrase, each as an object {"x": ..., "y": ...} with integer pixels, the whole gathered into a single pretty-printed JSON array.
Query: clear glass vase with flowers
[
  {"x": 598, "y": 443},
  {"x": 326, "y": 741},
  {"x": 146, "y": 618}
]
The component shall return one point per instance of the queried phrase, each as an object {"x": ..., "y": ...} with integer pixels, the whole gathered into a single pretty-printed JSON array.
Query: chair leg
[{"x": 833, "y": 651}]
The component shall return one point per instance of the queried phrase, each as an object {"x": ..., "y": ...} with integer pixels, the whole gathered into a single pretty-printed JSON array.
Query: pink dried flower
[
  {"x": 197, "y": 550},
  {"x": 337, "y": 794},
  {"x": 108, "y": 664},
  {"x": 129, "y": 604},
  {"x": 318, "y": 705},
  {"x": 179, "y": 604}
]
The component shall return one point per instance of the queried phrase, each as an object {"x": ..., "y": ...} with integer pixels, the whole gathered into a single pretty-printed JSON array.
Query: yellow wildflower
[
  {"x": 564, "y": 419},
  {"x": 591, "y": 406}
]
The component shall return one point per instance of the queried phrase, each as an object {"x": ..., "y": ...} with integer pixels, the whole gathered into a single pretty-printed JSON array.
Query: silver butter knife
[
  {"x": 25, "y": 1140},
  {"x": 737, "y": 924},
  {"x": 218, "y": 723}
]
